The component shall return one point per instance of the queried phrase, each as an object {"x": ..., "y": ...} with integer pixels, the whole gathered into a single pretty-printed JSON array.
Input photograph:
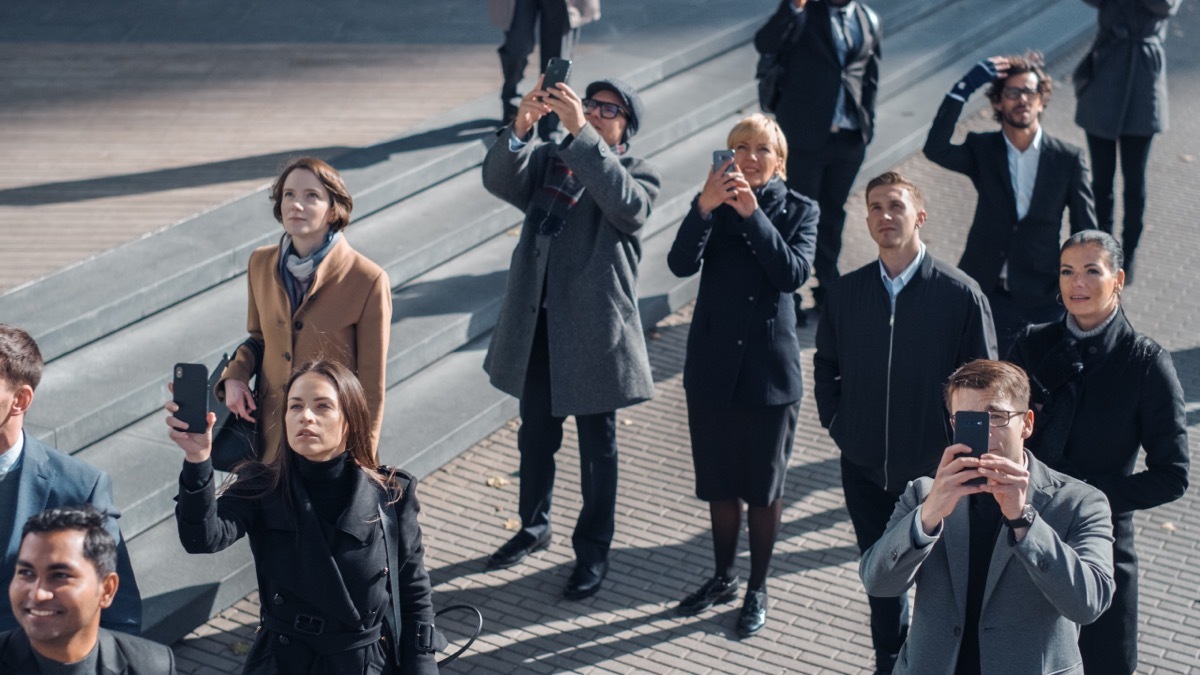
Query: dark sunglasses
[
  {"x": 1015, "y": 93},
  {"x": 607, "y": 110}
]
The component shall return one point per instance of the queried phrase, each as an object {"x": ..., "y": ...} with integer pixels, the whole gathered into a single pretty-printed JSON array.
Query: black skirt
[{"x": 742, "y": 453}]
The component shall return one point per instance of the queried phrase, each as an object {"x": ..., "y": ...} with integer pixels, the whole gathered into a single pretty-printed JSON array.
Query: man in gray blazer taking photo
[
  {"x": 1007, "y": 570},
  {"x": 569, "y": 339}
]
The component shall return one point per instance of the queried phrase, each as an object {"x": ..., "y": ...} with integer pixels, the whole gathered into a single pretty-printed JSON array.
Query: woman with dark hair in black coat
[
  {"x": 1101, "y": 390},
  {"x": 755, "y": 240},
  {"x": 336, "y": 542}
]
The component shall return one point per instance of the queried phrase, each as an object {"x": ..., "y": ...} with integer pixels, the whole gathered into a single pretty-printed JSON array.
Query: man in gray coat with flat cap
[{"x": 569, "y": 338}]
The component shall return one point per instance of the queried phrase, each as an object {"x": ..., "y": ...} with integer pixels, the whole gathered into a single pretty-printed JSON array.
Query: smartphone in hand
[
  {"x": 557, "y": 70},
  {"x": 971, "y": 429},
  {"x": 722, "y": 156},
  {"x": 191, "y": 395}
]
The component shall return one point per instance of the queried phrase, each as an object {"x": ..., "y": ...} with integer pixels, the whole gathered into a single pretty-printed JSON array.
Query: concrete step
[{"x": 98, "y": 297}]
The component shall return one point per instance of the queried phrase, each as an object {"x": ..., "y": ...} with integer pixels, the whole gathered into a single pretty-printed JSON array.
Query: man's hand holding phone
[
  {"x": 563, "y": 101},
  {"x": 532, "y": 109},
  {"x": 950, "y": 484}
]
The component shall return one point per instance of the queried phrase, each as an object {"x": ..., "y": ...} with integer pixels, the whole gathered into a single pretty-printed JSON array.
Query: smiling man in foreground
[
  {"x": 65, "y": 575},
  {"x": 1006, "y": 571}
]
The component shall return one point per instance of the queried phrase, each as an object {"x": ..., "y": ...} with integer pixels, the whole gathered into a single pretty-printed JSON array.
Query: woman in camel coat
[{"x": 311, "y": 296}]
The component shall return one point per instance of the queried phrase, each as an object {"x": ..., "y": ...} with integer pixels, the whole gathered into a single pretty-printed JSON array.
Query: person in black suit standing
[
  {"x": 830, "y": 53},
  {"x": 66, "y": 574},
  {"x": 752, "y": 239},
  {"x": 1024, "y": 179}
]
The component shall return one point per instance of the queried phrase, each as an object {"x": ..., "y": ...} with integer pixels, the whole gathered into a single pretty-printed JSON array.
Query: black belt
[{"x": 310, "y": 630}]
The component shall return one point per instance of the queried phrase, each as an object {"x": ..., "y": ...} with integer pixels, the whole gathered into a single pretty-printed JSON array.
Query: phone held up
[
  {"x": 722, "y": 156},
  {"x": 971, "y": 429},
  {"x": 191, "y": 395},
  {"x": 557, "y": 70}
]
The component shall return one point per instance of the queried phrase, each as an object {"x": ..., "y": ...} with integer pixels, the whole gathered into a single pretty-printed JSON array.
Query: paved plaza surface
[
  {"x": 818, "y": 613},
  {"x": 90, "y": 114}
]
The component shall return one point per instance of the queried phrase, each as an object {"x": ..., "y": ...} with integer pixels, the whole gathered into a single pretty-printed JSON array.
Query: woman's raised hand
[
  {"x": 716, "y": 188},
  {"x": 196, "y": 447}
]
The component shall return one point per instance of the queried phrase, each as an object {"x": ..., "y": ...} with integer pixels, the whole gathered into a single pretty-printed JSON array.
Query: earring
[{"x": 1058, "y": 298}]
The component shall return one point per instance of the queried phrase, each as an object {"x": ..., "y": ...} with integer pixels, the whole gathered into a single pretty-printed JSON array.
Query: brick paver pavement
[{"x": 817, "y": 608}]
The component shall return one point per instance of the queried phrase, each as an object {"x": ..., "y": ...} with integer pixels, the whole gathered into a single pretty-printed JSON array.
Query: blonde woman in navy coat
[{"x": 753, "y": 240}]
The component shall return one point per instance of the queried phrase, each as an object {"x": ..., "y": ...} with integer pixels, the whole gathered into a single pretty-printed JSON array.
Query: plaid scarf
[{"x": 560, "y": 191}]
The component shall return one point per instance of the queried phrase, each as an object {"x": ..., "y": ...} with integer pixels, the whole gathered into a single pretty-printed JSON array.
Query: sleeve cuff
[
  {"x": 919, "y": 538},
  {"x": 515, "y": 143},
  {"x": 196, "y": 475}
]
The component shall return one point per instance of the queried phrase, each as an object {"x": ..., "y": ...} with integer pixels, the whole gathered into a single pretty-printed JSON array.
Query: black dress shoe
[
  {"x": 715, "y": 591},
  {"x": 515, "y": 550},
  {"x": 754, "y": 613},
  {"x": 585, "y": 580}
]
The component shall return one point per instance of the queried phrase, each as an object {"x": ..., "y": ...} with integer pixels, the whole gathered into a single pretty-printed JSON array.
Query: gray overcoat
[
  {"x": 579, "y": 12},
  {"x": 1121, "y": 84},
  {"x": 588, "y": 272}
]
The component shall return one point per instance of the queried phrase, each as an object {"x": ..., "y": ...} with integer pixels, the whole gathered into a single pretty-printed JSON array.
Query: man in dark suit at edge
[
  {"x": 35, "y": 477},
  {"x": 830, "y": 52},
  {"x": 1024, "y": 179}
]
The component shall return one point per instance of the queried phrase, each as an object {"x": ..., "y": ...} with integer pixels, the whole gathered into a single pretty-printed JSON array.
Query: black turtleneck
[{"x": 328, "y": 484}]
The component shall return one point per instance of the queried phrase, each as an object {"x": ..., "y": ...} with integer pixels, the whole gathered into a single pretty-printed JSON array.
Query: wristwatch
[{"x": 1024, "y": 520}]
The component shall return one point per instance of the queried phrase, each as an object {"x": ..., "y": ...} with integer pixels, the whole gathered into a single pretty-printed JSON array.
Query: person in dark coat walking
[
  {"x": 752, "y": 239},
  {"x": 1121, "y": 94},
  {"x": 1102, "y": 390},
  {"x": 830, "y": 52},
  {"x": 336, "y": 543},
  {"x": 569, "y": 340}
]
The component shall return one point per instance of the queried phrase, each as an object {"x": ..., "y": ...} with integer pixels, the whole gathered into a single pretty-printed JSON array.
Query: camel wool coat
[{"x": 346, "y": 316}]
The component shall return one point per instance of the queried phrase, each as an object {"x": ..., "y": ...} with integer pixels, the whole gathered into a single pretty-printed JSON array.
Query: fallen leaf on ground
[
  {"x": 1169, "y": 527},
  {"x": 626, "y": 422},
  {"x": 1188, "y": 158},
  {"x": 240, "y": 648},
  {"x": 512, "y": 524},
  {"x": 497, "y": 482}
]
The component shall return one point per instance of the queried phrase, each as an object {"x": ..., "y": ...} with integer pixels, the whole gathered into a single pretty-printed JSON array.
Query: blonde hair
[{"x": 758, "y": 127}]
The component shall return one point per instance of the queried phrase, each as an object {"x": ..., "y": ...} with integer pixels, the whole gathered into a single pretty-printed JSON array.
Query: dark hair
[
  {"x": 339, "y": 197},
  {"x": 20, "y": 359},
  {"x": 894, "y": 178},
  {"x": 98, "y": 545},
  {"x": 352, "y": 401},
  {"x": 998, "y": 378},
  {"x": 1112, "y": 248},
  {"x": 1029, "y": 62}
]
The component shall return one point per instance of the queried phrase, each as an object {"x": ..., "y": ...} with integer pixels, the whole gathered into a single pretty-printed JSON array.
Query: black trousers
[
  {"x": 540, "y": 437},
  {"x": 827, "y": 174},
  {"x": 555, "y": 37},
  {"x": 1135, "y": 154},
  {"x": 1010, "y": 319},
  {"x": 1109, "y": 644},
  {"x": 870, "y": 508}
]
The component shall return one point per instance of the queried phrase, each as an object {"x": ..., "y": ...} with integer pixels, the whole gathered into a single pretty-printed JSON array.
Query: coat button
[
  {"x": 283, "y": 639},
  {"x": 957, "y": 632},
  {"x": 537, "y": 252},
  {"x": 1092, "y": 350},
  {"x": 278, "y": 599},
  {"x": 895, "y": 556},
  {"x": 739, "y": 343},
  {"x": 533, "y": 309},
  {"x": 287, "y": 356},
  {"x": 298, "y": 325},
  {"x": 385, "y": 570},
  {"x": 752, "y": 298}
]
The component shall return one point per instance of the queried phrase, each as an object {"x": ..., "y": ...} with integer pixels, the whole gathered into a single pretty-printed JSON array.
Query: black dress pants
[
  {"x": 827, "y": 175},
  {"x": 1135, "y": 154},
  {"x": 870, "y": 508},
  {"x": 540, "y": 437},
  {"x": 555, "y": 37},
  {"x": 1109, "y": 645}
]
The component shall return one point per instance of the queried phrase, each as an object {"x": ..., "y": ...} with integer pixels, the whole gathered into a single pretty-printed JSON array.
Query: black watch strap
[{"x": 1028, "y": 514}]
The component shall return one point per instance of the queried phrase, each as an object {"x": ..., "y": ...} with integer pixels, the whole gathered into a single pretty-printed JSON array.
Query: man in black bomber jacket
[{"x": 891, "y": 332}]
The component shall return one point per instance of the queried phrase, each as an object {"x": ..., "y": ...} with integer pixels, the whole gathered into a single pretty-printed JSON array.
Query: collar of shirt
[
  {"x": 1022, "y": 167},
  {"x": 894, "y": 286},
  {"x": 12, "y": 457}
]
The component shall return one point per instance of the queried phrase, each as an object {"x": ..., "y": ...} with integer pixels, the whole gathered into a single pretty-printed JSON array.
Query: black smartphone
[
  {"x": 191, "y": 395},
  {"x": 557, "y": 70},
  {"x": 971, "y": 429},
  {"x": 722, "y": 156}
]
